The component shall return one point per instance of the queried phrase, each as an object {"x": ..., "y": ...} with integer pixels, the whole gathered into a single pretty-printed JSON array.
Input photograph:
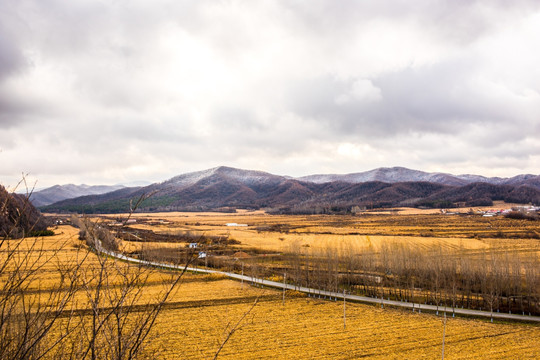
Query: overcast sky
[{"x": 105, "y": 92}]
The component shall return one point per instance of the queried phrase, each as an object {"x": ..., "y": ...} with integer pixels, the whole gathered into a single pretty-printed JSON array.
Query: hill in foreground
[{"x": 18, "y": 217}]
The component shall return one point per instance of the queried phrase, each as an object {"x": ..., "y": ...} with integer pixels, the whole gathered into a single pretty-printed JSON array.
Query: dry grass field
[
  {"x": 199, "y": 314},
  {"x": 276, "y": 233},
  {"x": 313, "y": 329},
  {"x": 465, "y": 247}
]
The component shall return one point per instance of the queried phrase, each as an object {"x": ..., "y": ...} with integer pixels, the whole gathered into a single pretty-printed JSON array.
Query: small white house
[
  {"x": 202, "y": 254},
  {"x": 193, "y": 245},
  {"x": 235, "y": 224}
]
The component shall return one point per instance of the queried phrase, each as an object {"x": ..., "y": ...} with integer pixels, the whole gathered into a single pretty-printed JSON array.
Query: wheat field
[
  {"x": 313, "y": 329},
  {"x": 280, "y": 233},
  {"x": 200, "y": 313}
]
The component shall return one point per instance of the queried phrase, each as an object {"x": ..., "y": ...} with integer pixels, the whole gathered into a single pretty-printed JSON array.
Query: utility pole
[
  {"x": 344, "y": 313},
  {"x": 443, "y": 335},
  {"x": 284, "y": 286}
]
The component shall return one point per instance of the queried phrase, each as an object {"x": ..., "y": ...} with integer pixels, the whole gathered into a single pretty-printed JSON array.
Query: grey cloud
[
  {"x": 88, "y": 27},
  {"x": 12, "y": 63},
  {"x": 149, "y": 131},
  {"x": 442, "y": 98},
  {"x": 245, "y": 132},
  {"x": 455, "y": 21},
  {"x": 118, "y": 101},
  {"x": 465, "y": 21},
  {"x": 12, "y": 59},
  {"x": 15, "y": 111},
  {"x": 10, "y": 112},
  {"x": 238, "y": 120}
]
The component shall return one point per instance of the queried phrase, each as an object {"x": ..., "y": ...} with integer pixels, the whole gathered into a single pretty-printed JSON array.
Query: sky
[{"x": 115, "y": 91}]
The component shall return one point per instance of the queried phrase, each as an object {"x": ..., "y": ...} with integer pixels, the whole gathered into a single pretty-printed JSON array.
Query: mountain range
[
  {"x": 61, "y": 192},
  {"x": 225, "y": 189},
  {"x": 401, "y": 174}
]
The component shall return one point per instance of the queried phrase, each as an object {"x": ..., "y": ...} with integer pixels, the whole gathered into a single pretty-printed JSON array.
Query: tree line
[{"x": 485, "y": 279}]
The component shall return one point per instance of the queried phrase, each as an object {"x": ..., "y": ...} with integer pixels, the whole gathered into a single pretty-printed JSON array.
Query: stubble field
[
  {"x": 281, "y": 233},
  {"x": 200, "y": 313}
]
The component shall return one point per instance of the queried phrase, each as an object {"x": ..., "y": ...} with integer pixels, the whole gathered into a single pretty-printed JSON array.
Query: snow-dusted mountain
[
  {"x": 246, "y": 177},
  {"x": 227, "y": 188},
  {"x": 61, "y": 192},
  {"x": 388, "y": 175},
  {"x": 401, "y": 174}
]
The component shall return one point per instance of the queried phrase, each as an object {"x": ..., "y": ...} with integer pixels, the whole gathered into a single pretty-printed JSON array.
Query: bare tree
[
  {"x": 116, "y": 319},
  {"x": 27, "y": 313},
  {"x": 120, "y": 317}
]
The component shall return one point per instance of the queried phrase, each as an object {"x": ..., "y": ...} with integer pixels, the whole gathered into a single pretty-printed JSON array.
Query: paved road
[{"x": 336, "y": 295}]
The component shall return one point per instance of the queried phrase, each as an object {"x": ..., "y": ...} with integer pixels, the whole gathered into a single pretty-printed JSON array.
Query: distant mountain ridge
[
  {"x": 61, "y": 192},
  {"x": 224, "y": 188},
  {"x": 401, "y": 174}
]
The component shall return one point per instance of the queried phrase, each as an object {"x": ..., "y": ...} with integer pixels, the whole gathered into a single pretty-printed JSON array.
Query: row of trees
[
  {"x": 486, "y": 279},
  {"x": 498, "y": 280}
]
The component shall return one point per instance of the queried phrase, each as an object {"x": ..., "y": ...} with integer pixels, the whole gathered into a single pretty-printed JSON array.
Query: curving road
[{"x": 331, "y": 294}]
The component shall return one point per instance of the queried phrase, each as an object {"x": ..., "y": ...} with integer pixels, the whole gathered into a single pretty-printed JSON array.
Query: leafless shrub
[
  {"x": 27, "y": 316},
  {"x": 115, "y": 320}
]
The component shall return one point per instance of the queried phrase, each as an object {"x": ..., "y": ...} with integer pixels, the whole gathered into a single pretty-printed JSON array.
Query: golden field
[
  {"x": 280, "y": 233},
  {"x": 198, "y": 315},
  {"x": 313, "y": 329}
]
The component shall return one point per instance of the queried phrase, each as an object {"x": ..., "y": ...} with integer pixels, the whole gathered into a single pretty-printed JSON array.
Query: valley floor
[{"x": 197, "y": 317}]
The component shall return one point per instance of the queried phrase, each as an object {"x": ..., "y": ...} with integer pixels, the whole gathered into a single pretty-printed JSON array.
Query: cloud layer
[{"x": 106, "y": 92}]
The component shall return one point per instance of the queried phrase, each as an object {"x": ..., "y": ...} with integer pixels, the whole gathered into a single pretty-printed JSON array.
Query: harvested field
[
  {"x": 358, "y": 252},
  {"x": 313, "y": 329},
  {"x": 200, "y": 312},
  {"x": 278, "y": 233}
]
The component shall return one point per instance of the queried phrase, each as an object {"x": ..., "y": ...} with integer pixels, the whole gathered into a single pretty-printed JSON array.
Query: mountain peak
[
  {"x": 383, "y": 174},
  {"x": 223, "y": 173}
]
